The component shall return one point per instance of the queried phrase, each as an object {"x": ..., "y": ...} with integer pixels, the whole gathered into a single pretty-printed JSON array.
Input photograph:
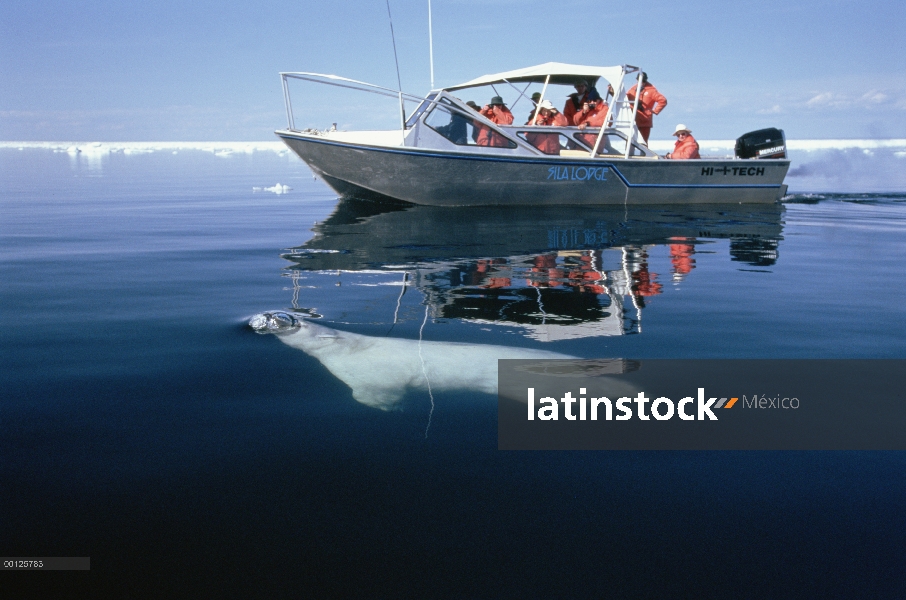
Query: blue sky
[{"x": 196, "y": 71}]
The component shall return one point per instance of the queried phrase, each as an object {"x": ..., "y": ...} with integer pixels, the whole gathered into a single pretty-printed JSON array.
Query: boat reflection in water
[
  {"x": 550, "y": 273},
  {"x": 555, "y": 272}
]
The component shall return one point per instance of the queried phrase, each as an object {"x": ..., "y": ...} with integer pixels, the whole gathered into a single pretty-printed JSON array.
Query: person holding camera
[
  {"x": 549, "y": 143},
  {"x": 496, "y": 112},
  {"x": 592, "y": 114},
  {"x": 574, "y": 102}
]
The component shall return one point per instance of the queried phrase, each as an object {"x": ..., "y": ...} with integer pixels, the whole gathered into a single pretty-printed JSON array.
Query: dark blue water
[{"x": 145, "y": 425}]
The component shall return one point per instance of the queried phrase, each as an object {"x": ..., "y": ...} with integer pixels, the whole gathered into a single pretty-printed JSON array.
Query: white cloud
[
  {"x": 873, "y": 99},
  {"x": 826, "y": 99}
]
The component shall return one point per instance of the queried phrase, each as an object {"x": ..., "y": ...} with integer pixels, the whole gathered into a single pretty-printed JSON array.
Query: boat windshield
[
  {"x": 413, "y": 118},
  {"x": 612, "y": 143},
  {"x": 459, "y": 127}
]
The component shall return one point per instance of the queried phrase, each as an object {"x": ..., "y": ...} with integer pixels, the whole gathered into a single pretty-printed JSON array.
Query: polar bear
[{"x": 380, "y": 370}]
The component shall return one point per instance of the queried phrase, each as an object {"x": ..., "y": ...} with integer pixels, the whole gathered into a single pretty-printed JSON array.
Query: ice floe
[
  {"x": 216, "y": 148},
  {"x": 277, "y": 189},
  {"x": 711, "y": 147},
  {"x": 717, "y": 147},
  {"x": 838, "y": 165}
]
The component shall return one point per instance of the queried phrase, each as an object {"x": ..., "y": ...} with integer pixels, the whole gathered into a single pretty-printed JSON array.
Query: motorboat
[{"x": 435, "y": 157}]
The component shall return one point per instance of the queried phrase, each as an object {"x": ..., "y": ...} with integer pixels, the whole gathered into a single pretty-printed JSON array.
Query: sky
[{"x": 208, "y": 71}]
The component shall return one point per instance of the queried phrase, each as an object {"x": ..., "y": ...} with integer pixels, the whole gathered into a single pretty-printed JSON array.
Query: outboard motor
[{"x": 764, "y": 143}]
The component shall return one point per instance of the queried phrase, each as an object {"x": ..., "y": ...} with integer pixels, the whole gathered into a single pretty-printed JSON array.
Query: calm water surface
[{"x": 144, "y": 424}]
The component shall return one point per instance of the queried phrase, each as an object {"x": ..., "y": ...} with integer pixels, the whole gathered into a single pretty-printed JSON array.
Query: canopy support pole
[
  {"x": 543, "y": 91},
  {"x": 289, "y": 104}
]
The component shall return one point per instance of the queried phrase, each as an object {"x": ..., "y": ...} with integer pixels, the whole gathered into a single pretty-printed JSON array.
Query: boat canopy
[{"x": 559, "y": 73}]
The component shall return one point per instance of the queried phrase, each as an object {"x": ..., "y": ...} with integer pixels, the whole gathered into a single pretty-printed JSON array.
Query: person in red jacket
[
  {"x": 496, "y": 112},
  {"x": 591, "y": 115},
  {"x": 549, "y": 143},
  {"x": 575, "y": 101},
  {"x": 686, "y": 146},
  {"x": 651, "y": 102}
]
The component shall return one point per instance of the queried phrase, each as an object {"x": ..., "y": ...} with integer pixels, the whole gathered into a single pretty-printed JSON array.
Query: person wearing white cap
[
  {"x": 549, "y": 143},
  {"x": 686, "y": 146},
  {"x": 549, "y": 115}
]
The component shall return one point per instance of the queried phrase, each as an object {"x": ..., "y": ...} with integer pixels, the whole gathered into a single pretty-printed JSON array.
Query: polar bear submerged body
[{"x": 380, "y": 370}]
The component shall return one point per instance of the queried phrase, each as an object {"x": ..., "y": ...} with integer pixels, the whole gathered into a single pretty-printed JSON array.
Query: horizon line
[{"x": 92, "y": 141}]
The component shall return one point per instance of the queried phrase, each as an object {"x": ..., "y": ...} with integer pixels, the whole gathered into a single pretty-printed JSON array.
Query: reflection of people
[
  {"x": 496, "y": 112},
  {"x": 644, "y": 282},
  {"x": 549, "y": 143},
  {"x": 651, "y": 102},
  {"x": 586, "y": 277},
  {"x": 681, "y": 257},
  {"x": 544, "y": 272},
  {"x": 686, "y": 146},
  {"x": 485, "y": 269}
]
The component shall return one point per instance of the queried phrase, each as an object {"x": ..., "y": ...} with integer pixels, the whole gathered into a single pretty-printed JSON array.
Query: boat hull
[{"x": 442, "y": 178}]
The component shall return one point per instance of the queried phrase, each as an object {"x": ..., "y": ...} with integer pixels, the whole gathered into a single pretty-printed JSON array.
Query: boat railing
[
  {"x": 592, "y": 142},
  {"x": 620, "y": 118},
  {"x": 452, "y": 105},
  {"x": 343, "y": 82},
  {"x": 573, "y": 141},
  {"x": 621, "y": 113}
]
